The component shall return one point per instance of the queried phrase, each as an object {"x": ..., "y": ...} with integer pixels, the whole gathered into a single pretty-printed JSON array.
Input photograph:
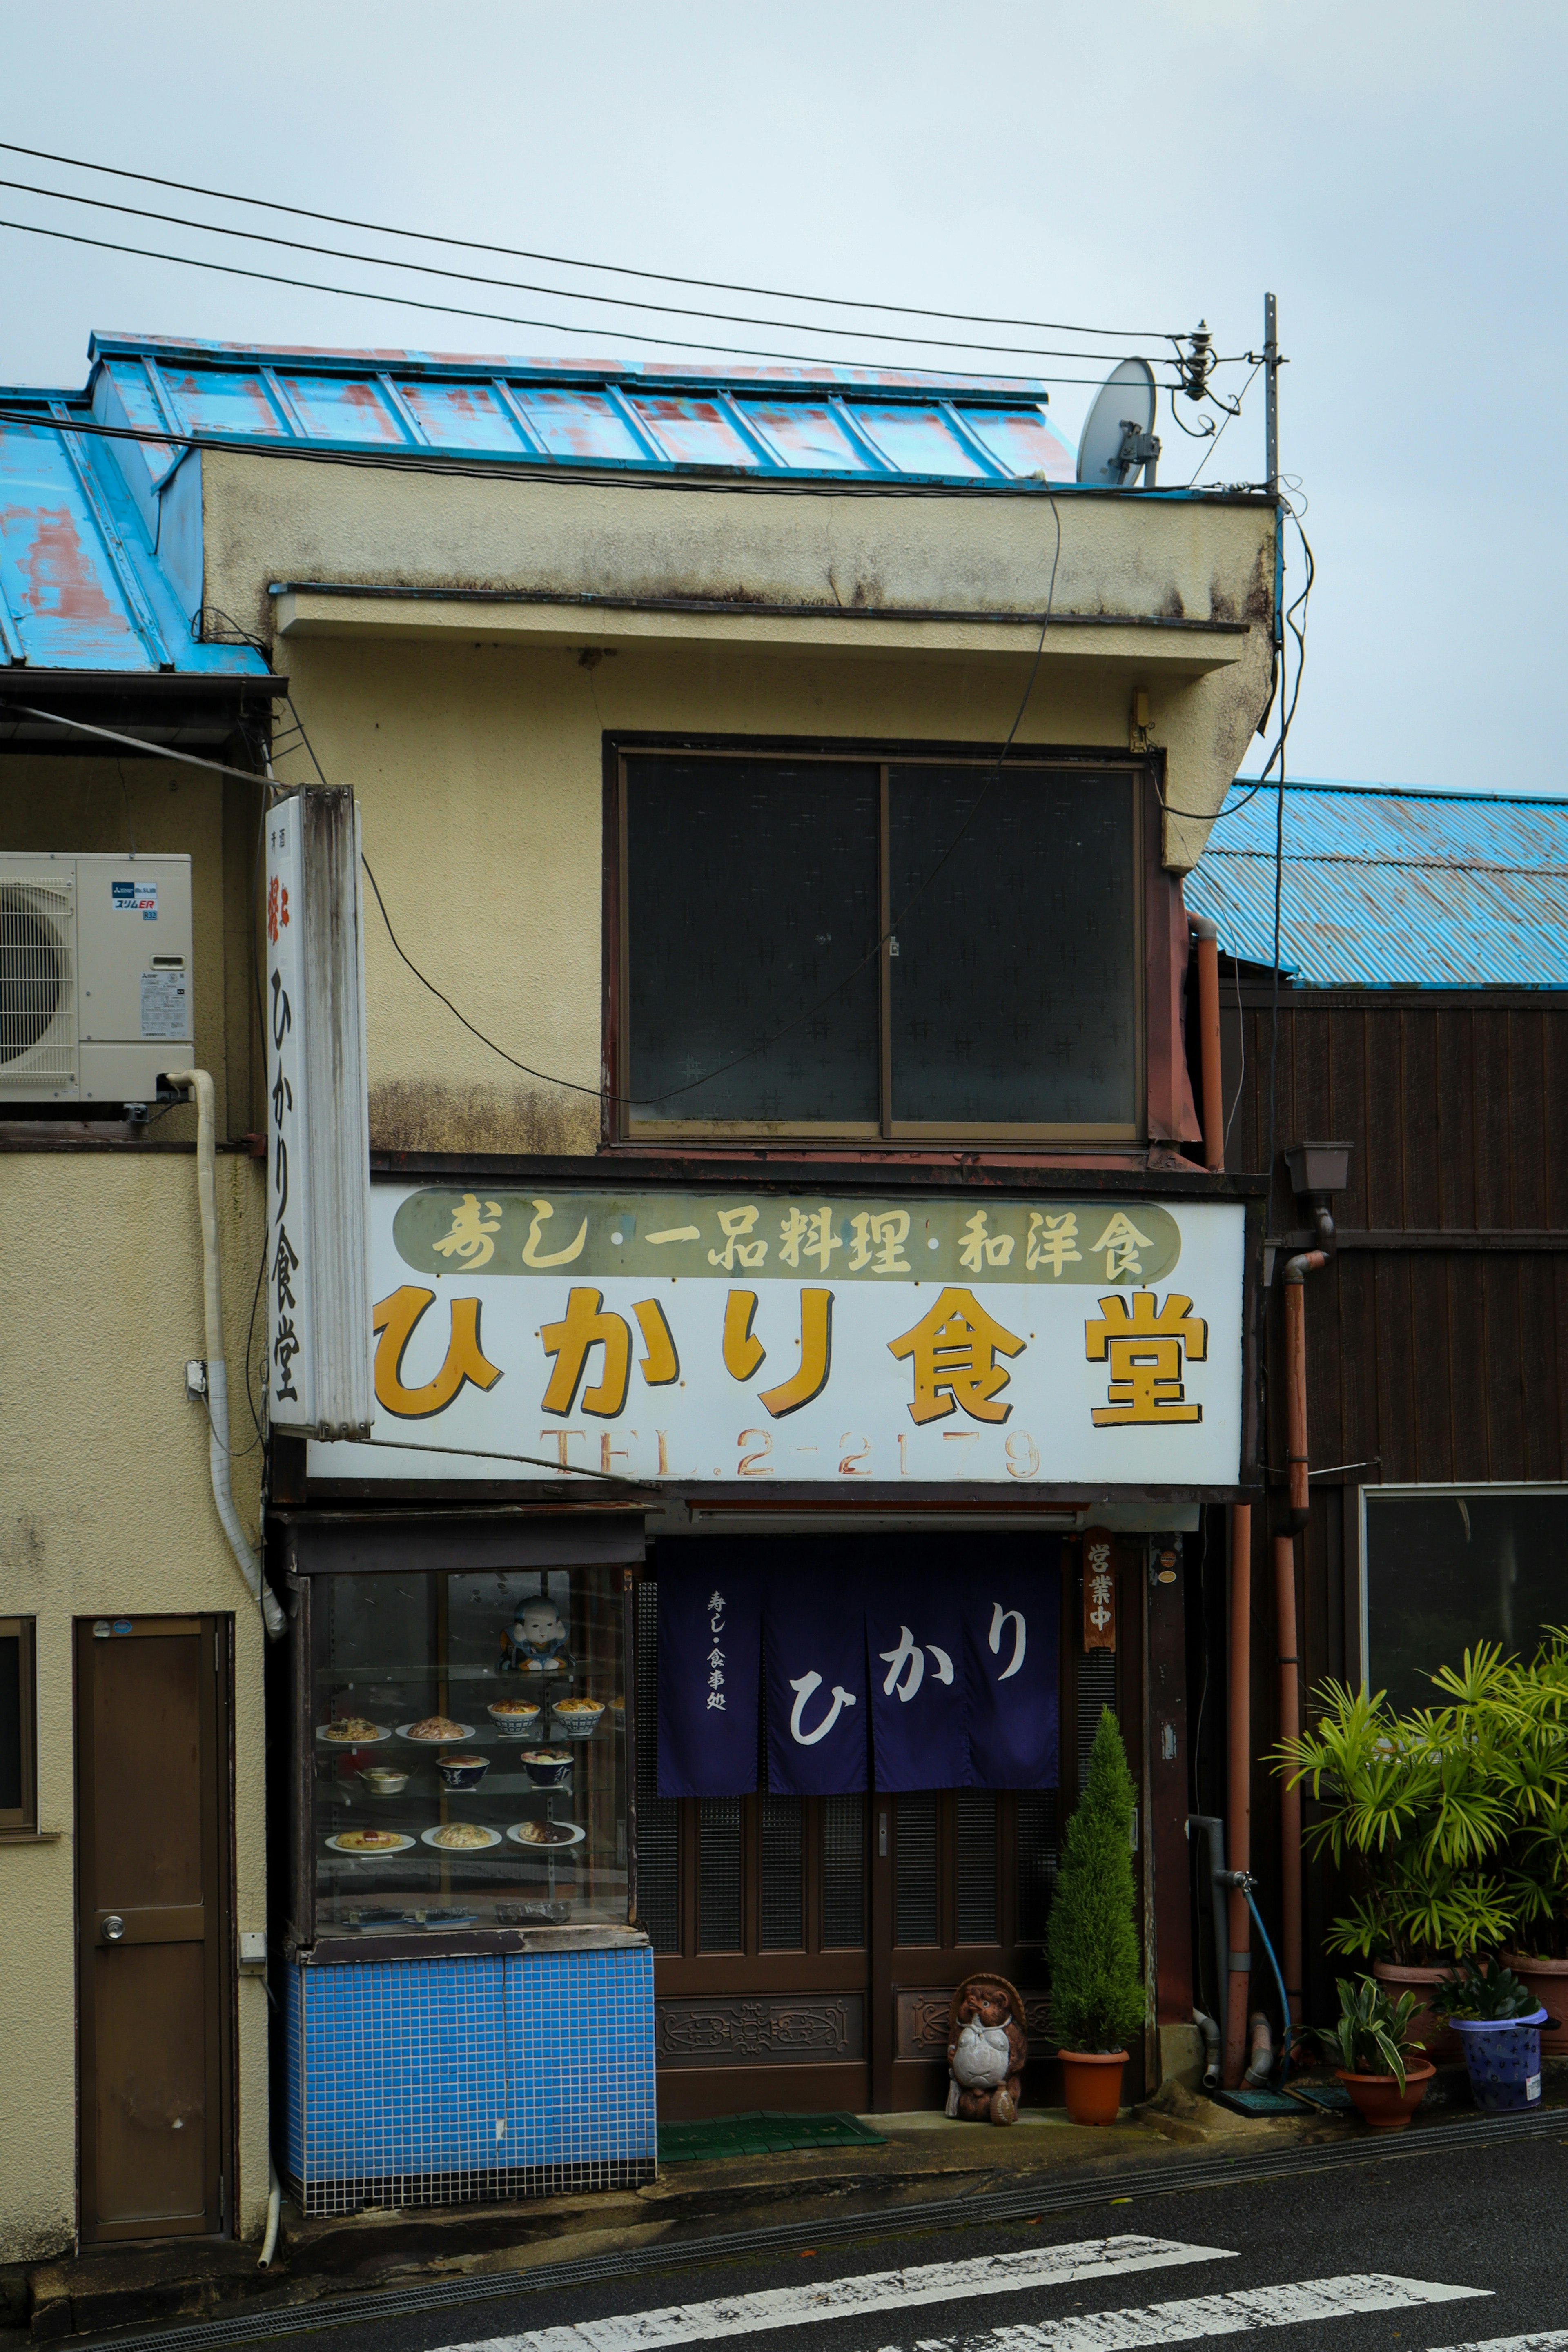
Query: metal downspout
[
  {"x": 1232, "y": 1997},
  {"x": 1296, "y": 1269},
  {"x": 1238, "y": 1974},
  {"x": 1207, "y": 937},
  {"x": 199, "y": 1084}
]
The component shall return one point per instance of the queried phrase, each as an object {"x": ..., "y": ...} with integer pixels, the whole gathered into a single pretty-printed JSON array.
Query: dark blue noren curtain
[
  {"x": 936, "y": 1653},
  {"x": 815, "y": 1647},
  {"x": 1012, "y": 1627},
  {"x": 914, "y": 1634},
  {"x": 710, "y": 1669}
]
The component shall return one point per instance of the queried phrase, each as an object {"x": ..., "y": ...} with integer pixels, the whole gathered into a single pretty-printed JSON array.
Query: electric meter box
[{"x": 95, "y": 976}]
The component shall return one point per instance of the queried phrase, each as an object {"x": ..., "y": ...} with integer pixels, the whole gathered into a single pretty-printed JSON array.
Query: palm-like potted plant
[
  {"x": 1532, "y": 1701},
  {"x": 1418, "y": 1811},
  {"x": 1097, "y": 1994},
  {"x": 1375, "y": 2045}
]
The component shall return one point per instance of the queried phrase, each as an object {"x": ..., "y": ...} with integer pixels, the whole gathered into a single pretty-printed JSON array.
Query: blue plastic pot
[{"x": 1502, "y": 2057}]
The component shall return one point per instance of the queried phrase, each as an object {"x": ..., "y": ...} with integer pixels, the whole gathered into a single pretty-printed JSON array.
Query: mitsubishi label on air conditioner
[{"x": 95, "y": 976}]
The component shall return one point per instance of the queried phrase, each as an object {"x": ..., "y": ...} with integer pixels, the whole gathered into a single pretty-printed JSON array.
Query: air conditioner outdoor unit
[{"x": 95, "y": 976}]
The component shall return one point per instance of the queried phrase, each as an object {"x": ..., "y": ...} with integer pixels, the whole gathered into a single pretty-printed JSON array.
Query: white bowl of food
[
  {"x": 382, "y": 1780},
  {"x": 575, "y": 1718},
  {"x": 516, "y": 1718}
]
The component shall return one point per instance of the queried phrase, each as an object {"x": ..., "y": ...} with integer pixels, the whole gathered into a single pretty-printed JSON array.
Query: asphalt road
[{"x": 1464, "y": 2248}]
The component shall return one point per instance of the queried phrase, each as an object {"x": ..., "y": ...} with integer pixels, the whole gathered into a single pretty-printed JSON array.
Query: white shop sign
[
  {"x": 317, "y": 1139},
  {"x": 716, "y": 1337}
]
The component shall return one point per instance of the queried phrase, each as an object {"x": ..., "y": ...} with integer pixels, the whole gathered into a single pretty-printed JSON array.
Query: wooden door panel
[
  {"x": 154, "y": 1972},
  {"x": 146, "y": 1770},
  {"x": 150, "y": 2008}
]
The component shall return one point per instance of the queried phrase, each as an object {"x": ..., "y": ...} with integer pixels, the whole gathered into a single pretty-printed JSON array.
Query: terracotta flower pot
[
  {"x": 1384, "y": 2106},
  {"x": 1548, "y": 1983},
  {"x": 1091, "y": 2083},
  {"x": 1439, "y": 2041}
]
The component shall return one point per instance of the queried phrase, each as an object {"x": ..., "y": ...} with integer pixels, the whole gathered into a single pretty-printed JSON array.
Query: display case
[{"x": 463, "y": 1747}]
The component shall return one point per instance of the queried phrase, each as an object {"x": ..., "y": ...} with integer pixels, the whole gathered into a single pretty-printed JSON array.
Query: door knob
[{"x": 113, "y": 1929}]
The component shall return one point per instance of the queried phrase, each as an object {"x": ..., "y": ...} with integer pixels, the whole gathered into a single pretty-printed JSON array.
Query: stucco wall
[
  {"x": 271, "y": 521},
  {"x": 478, "y": 771},
  {"x": 106, "y": 805},
  {"x": 106, "y": 1509}
]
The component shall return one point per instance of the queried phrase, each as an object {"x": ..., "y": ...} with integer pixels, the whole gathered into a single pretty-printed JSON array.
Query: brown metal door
[{"x": 152, "y": 1924}]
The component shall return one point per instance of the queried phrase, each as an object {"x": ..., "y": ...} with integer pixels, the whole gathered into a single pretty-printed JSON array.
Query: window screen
[
  {"x": 1015, "y": 903},
  {"x": 17, "y": 1808},
  {"x": 874, "y": 948},
  {"x": 1445, "y": 1572},
  {"x": 976, "y": 1866},
  {"x": 843, "y": 1872},
  {"x": 752, "y": 900},
  {"x": 914, "y": 1871}
]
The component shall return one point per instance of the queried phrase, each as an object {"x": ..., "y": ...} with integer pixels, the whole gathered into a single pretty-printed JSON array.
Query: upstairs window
[{"x": 897, "y": 950}]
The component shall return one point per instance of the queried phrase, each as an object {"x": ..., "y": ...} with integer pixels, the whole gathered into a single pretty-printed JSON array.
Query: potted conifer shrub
[{"x": 1091, "y": 1943}]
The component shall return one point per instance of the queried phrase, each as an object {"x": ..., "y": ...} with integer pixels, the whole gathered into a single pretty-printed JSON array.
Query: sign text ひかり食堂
[{"x": 702, "y": 1336}]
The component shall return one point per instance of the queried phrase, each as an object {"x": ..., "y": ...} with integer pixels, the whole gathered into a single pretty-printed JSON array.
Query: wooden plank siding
[{"x": 1425, "y": 1362}]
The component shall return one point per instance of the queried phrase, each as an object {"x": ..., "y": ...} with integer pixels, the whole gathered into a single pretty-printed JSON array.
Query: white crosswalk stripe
[
  {"x": 1196, "y": 2318},
  {"x": 1089, "y": 2260},
  {"x": 1552, "y": 2340}
]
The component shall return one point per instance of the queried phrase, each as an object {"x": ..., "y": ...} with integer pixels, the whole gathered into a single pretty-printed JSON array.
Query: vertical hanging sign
[
  {"x": 318, "y": 1136},
  {"x": 1098, "y": 1591},
  {"x": 290, "y": 1380}
]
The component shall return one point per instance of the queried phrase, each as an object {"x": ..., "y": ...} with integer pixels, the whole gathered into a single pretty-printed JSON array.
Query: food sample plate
[
  {"x": 449, "y": 1731},
  {"x": 476, "y": 1837},
  {"x": 334, "y": 1735},
  {"x": 386, "y": 1843},
  {"x": 542, "y": 1836}
]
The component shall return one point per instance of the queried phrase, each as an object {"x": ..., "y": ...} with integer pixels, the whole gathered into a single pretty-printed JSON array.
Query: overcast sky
[{"x": 1392, "y": 171}]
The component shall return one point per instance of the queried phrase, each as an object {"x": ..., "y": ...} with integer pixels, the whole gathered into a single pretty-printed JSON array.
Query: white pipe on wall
[{"x": 200, "y": 1085}]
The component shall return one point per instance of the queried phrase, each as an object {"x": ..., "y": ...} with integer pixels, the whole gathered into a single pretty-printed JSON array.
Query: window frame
[
  {"x": 886, "y": 1132},
  {"x": 23, "y": 1819},
  {"x": 1406, "y": 1487}
]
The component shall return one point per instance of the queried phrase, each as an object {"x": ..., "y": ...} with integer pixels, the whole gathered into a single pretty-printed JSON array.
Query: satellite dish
[{"x": 1117, "y": 440}]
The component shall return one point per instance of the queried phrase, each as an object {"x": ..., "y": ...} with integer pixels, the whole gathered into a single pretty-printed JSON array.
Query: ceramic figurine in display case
[{"x": 536, "y": 1643}]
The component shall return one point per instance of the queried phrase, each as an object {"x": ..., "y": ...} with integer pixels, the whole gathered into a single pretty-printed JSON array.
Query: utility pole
[{"x": 1271, "y": 394}]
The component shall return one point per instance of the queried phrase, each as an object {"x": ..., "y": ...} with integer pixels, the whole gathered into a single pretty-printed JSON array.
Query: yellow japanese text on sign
[{"x": 708, "y": 1338}]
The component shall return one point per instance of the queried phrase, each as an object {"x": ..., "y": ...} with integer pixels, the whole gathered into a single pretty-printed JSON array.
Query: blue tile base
[{"x": 440, "y": 2082}]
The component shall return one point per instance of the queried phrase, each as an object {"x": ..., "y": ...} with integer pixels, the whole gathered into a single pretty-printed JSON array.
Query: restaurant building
[{"x": 803, "y": 1335}]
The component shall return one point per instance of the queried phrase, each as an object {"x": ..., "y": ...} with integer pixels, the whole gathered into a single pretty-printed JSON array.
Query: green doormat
[{"x": 762, "y": 2133}]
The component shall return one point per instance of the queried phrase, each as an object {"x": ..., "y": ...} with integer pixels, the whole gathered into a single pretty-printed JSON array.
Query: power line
[
  {"x": 506, "y": 319},
  {"x": 527, "y": 286},
  {"x": 609, "y": 268}
]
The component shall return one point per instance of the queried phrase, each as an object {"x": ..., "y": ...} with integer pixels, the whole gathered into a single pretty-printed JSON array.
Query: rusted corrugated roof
[
  {"x": 81, "y": 587},
  {"x": 1384, "y": 888},
  {"x": 646, "y": 418}
]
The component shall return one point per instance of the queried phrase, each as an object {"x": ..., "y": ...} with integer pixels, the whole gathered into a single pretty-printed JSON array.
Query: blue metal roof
[
  {"x": 835, "y": 424},
  {"x": 81, "y": 583},
  {"x": 1384, "y": 888},
  {"x": 81, "y": 587}
]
